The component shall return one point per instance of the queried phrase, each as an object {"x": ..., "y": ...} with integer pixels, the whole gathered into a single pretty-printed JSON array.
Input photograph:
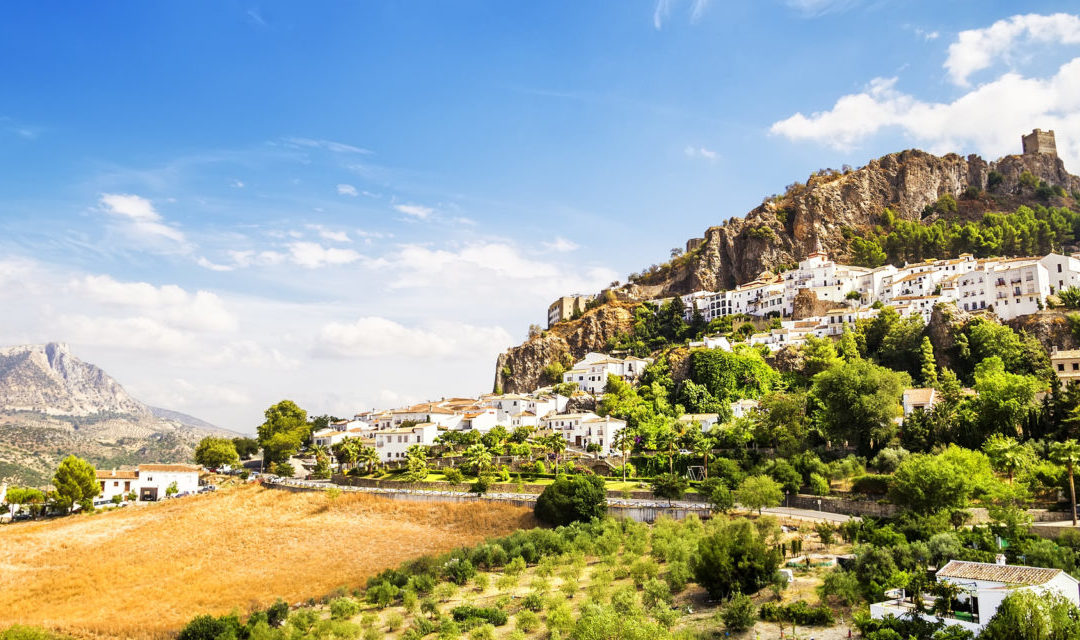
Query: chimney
[{"x": 999, "y": 559}]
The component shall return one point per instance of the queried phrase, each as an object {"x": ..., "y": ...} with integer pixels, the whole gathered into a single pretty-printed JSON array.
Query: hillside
[
  {"x": 163, "y": 563},
  {"x": 53, "y": 404},
  {"x": 826, "y": 213}
]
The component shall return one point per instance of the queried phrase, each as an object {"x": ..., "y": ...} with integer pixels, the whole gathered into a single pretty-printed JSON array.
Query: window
[
  {"x": 1059, "y": 267},
  {"x": 1076, "y": 366},
  {"x": 1061, "y": 367}
]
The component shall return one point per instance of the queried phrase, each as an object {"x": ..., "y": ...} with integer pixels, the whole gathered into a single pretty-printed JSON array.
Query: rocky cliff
[
  {"x": 520, "y": 369},
  {"x": 818, "y": 214},
  {"x": 53, "y": 404}
]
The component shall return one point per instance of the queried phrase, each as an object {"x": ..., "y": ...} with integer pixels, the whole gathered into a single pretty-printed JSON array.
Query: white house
[
  {"x": 392, "y": 444},
  {"x": 712, "y": 342},
  {"x": 706, "y": 420},
  {"x": 915, "y": 399},
  {"x": 591, "y": 373},
  {"x": 149, "y": 481},
  {"x": 983, "y": 586},
  {"x": 743, "y": 407}
]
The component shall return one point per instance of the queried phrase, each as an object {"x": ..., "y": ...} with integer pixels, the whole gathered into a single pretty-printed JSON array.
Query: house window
[
  {"x": 1076, "y": 366},
  {"x": 1061, "y": 367}
]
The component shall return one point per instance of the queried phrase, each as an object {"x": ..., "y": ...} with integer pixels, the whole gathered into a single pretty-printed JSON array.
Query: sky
[{"x": 360, "y": 204}]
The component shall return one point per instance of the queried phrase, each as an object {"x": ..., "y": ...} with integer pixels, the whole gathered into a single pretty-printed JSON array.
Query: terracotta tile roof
[
  {"x": 171, "y": 468},
  {"x": 113, "y": 474},
  {"x": 1007, "y": 574}
]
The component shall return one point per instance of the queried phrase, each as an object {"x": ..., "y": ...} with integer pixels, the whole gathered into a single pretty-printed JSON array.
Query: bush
[
  {"x": 842, "y": 585},
  {"x": 343, "y": 608},
  {"x": 734, "y": 557},
  {"x": 459, "y": 571},
  {"x": 819, "y": 486},
  {"x": 394, "y": 620},
  {"x": 453, "y": 474},
  {"x": 871, "y": 484},
  {"x": 209, "y": 628},
  {"x": 465, "y": 612},
  {"x": 572, "y": 499},
  {"x": 20, "y": 632},
  {"x": 277, "y": 613},
  {"x": 670, "y": 486},
  {"x": 527, "y": 621},
  {"x": 678, "y": 574},
  {"x": 738, "y": 613},
  {"x": 656, "y": 593},
  {"x": 797, "y": 612},
  {"x": 533, "y": 602}
]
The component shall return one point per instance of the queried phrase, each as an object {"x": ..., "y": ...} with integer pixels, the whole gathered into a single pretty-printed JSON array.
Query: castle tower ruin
[{"x": 1039, "y": 141}]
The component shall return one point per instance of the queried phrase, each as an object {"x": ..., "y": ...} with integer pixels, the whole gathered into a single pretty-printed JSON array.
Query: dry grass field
[{"x": 142, "y": 572}]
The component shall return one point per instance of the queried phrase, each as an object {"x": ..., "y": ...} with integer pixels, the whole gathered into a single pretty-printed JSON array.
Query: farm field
[{"x": 142, "y": 572}]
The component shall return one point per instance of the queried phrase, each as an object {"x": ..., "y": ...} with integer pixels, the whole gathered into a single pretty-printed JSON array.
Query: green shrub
[
  {"x": 678, "y": 574},
  {"x": 734, "y": 557},
  {"x": 819, "y": 486},
  {"x": 453, "y": 474},
  {"x": 527, "y": 621},
  {"x": 344, "y": 608},
  {"x": 656, "y": 593},
  {"x": 210, "y": 628},
  {"x": 738, "y": 613},
  {"x": 798, "y": 612},
  {"x": 871, "y": 484},
  {"x": 464, "y": 612},
  {"x": 533, "y": 602},
  {"x": 572, "y": 499}
]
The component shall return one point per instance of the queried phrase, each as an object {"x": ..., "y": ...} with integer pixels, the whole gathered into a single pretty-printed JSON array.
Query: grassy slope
[{"x": 142, "y": 572}]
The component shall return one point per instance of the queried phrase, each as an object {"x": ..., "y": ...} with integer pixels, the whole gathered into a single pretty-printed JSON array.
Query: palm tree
[
  {"x": 1005, "y": 453},
  {"x": 555, "y": 444},
  {"x": 479, "y": 458},
  {"x": 347, "y": 451},
  {"x": 1068, "y": 454},
  {"x": 624, "y": 442},
  {"x": 417, "y": 451},
  {"x": 703, "y": 447},
  {"x": 668, "y": 440},
  {"x": 369, "y": 457}
]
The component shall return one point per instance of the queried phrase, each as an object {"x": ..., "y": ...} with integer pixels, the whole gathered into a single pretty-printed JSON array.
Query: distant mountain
[{"x": 53, "y": 404}]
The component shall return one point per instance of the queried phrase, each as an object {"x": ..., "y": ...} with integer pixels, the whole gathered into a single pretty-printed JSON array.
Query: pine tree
[
  {"x": 929, "y": 366},
  {"x": 848, "y": 348}
]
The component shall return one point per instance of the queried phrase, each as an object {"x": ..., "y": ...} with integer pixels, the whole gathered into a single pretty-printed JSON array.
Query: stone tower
[{"x": 1039, "y": 141}]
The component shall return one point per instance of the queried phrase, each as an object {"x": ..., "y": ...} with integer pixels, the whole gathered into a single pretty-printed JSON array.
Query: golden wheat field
[{"x": 142, "y": 572}]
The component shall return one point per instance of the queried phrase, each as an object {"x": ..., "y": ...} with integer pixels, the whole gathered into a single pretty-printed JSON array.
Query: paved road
[{"x": 799, "y": 514}]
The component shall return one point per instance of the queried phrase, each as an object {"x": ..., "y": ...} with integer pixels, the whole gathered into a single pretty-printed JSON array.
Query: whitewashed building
[
  {"x": 591, "y": 373},
  {"x": 393, "y": 444},
  {"x": 149, "y": 481},
  {"x": 983, "y": 586}
]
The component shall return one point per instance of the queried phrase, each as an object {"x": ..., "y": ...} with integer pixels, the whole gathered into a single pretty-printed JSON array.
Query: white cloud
[
  {"x": 137, "y": 333},
  {"x": 700, "y": 152},
  {"x": 375, "y": 337},
  {"x": 415, "y": 210},
  {"x": 213, "y": 266},
  {"x": 347, "y": 190},
  {"x": 237, "y": 184},
  {"x": 329, "y": 145},
  {"x": 139, "y": 219},
  {"x": 927, "y": 35},
  {"x": 199, "y": 311},
  {"x": 249, "y": 257},
  {"x": 334, "y": 236},
  {"x": 989, "y": 119},
  {"x": 815, "y": 8},
  {"x": 663, "y": 10},
  {"x": 312, "y": 255},
  {"x": 978, "y": 49},
  {"x": 560, "y": 245}
]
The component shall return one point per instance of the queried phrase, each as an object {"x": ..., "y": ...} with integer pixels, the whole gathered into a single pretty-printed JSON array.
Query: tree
[
  {"x": 417, "y": 461},
  {"x": 23, "y": 496},
  {"x": 479, "y": 458},
  {"x": 738, "y": 613},
  {"x": 718, "y": 493},
  {"x": 857, "y": 401},
  {"x": 214, "y": 452},
  {"x": 1004, "y": 399},
  {"x": 818, "y": 355},
  {"x": 703, "y": 446},
  {"x": 783, "y": 423},
  {"x": 76, "y": 483},
  {"x": 927, "y": 483},
  {"x": 347, "y": 451},
  {"x": 554, "y": 444},
  {"x": 759, "y": 492},
  {"x": 1067, "y": 453},
  {"x": 171, "y": 490},
  {"x": 929, "y": 365},
  {"x": 283, "y": 432},
  {"x": 1031, "y": 615},
  {"x": 245, "y": 447},
  {"x": 734, "y": 558},
  {"x": 671, "y": 486},
  {"x": 624, "y": 441},
  {"x": 369, "y": 457},
  {"x": 1006, "y": 454},
  {"x": 572, "y": 499}
]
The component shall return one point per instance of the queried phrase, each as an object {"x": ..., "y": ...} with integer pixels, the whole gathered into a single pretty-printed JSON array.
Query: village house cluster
[
  {"x": 391, "y": 432},
  {"x": 148, "y": 482},
  {"x": 1009, "y": 287}
]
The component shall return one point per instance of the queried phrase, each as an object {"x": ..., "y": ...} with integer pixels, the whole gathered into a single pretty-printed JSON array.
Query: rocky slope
[
  {"x": 784, "y": 229},
  {"x": 520, "y": 368},
  {"x": 814, "y": 216},
  {"x": 53, "y": 404}
]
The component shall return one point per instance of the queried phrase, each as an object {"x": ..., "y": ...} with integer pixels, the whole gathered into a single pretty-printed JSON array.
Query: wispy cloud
[
  {"x": 329, "y": 145},
  {"x": 347, "y": 190},
  {"x": 816, "y": 8},
  {"x": 663, "y": 10},
  {"x": 561, "y": 245},
  {"x": 417, "y": 211},
  {"x": 139, "y": 219},
  {"x": 700, "y": 152}
]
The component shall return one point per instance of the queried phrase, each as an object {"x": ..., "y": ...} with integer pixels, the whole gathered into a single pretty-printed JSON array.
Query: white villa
[
  {"x": 149, "y": 481},
  {"x": 983, "y": 586},
  {"x": 591, "y": 373},
  {"x": 392, "y": 444},
  {"x": 582, "y": 429}
]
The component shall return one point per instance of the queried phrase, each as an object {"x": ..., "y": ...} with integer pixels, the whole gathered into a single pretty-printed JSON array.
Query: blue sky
[{"x": 360, "y": 204}]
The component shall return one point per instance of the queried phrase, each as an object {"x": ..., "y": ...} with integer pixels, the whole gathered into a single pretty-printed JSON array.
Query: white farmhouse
[
  {"x": 591, "y": 373},
  {"x": 392, "y": 444},
  {"x": 983, "y": 587},
  {"x": 149, "y": 481}
]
